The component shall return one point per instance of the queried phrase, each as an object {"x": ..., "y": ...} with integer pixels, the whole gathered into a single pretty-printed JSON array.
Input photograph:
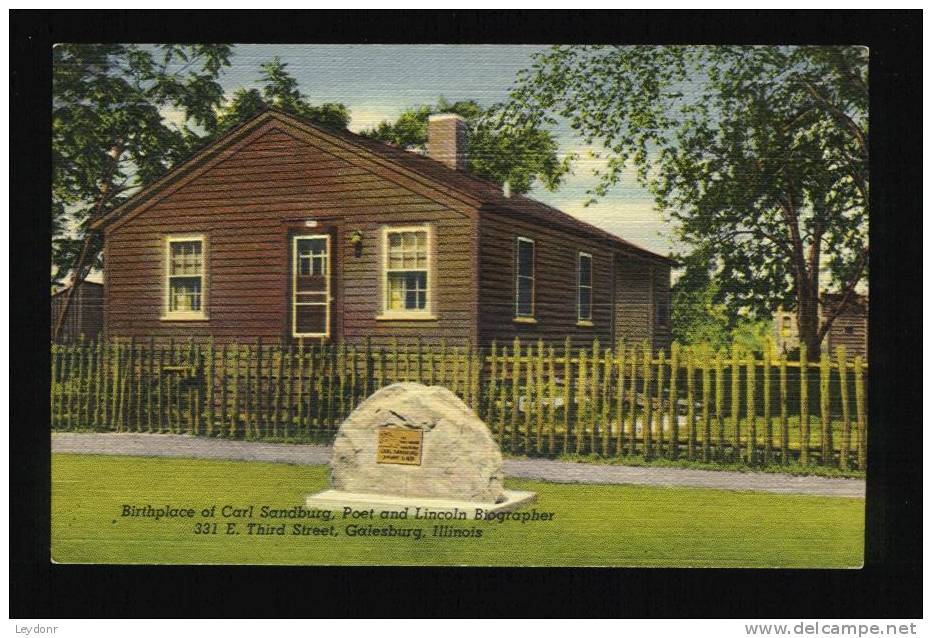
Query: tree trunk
[{"x": 807, "y": 320}]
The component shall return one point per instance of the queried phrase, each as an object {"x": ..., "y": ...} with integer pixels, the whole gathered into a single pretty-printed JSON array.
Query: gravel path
[{"x": 544, "y": 469}]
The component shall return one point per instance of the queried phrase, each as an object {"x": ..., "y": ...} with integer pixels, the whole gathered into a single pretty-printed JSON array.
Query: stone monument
[{"x": 414, "y": 445}]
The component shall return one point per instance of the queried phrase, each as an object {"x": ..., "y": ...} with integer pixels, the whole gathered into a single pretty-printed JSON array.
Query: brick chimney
[{"x": 446, "y": 140}]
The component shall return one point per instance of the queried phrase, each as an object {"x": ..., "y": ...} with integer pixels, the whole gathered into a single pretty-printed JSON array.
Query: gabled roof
[{"x": 485, "y": 194}]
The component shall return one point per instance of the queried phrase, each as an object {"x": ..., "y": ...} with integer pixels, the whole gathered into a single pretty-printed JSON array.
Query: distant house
[
  {"x": 283, "y": 230},
  {"x": 849, "y": 329},
  {"x": 85, "y": 314}
]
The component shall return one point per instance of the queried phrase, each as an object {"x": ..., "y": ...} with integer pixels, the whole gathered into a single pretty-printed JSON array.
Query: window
[
  {"x": 406, "y": 265},
  {"x": 787, "y": 327},
  {"x": 185, "y": 278},
  {"x": 524, "y": 278},
  {"x": 584, "y": 288}
]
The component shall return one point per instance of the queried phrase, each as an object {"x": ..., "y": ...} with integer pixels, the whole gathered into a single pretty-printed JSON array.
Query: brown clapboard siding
[
  {"x": 633, "y": 302},
  {"x": 555, "y": 252},
  {"x": 245, "y": 206}
]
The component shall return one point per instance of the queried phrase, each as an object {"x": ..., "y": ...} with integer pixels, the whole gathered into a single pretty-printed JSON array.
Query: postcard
[{"x": 460, "y": 305}]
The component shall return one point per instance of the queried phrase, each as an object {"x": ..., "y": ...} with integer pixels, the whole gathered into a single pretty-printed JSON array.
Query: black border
[{"x": 888, "y": 586}]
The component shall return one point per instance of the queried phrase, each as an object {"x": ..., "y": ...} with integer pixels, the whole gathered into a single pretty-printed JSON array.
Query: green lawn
[{"x": 593, "y": 525}]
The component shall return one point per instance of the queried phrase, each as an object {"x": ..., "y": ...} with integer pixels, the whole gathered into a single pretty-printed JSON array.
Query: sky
[{"x": 378, "y": 82}]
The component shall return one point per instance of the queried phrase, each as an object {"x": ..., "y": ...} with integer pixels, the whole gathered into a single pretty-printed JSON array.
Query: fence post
[
  {"x": 720, "y": 402},
  {"x": 79, "y": 386},
  {"x": 803, "y": 406},
  {"x": 661, "y": 365},
  {"x": 594, "y": 399},
  {"x": 706, "y": 400},
  {"x": 784, "y": 422},
  {"x": 751, "y": 377},
  {"x": 502, "y": 397},
  {"x": 490, "y": 409},
  {"x": 211, "y": 387},
  {"x": 137, "y": 375},
  {"x": 690, "y": 355},
  {"x": 528, "y": 398},
  {"x": 648, "y": 407},
  {"x": 234, "y": 413},
  {"x": 476, "y": 367},
  {"x": 581, "y": 400},
  {"x": 673, "y": 450},
  {"x": 567, "y": 392},
  {"x": 605, "y": 420},
  {"x": 98, "y": 382},
  {"x": 620, "y": 399},
  {"x": 56, "y": 385},
  {"x": 825, "y": 372},
  {"x": 861, "y": 412},
  {"x": 843, "y": 394},
  {"x": 552, "y": 410},
  {"x": 539, "y": 391},
  {"x": 515, "y": 391},
  {"x": 768, "y": 424},
  {"x": 632, "y": 402},
  {"x": 736, "y": 401}
]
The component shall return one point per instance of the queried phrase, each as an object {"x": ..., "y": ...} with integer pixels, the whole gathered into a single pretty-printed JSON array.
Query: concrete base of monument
[{"x": 338, "y": 499}]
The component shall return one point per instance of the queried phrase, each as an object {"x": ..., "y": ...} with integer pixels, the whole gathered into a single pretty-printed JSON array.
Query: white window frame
[
  {"x": 527, "y": 318},
  {"x": 182, "y": 315},
  {"x": 295, "y": 268},
  {"x": 580, "y": 319},
  {"x": 386, "y": 313}
]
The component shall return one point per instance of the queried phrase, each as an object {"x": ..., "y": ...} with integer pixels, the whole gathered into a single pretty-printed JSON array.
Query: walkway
[{"x": 542, "y": 469}]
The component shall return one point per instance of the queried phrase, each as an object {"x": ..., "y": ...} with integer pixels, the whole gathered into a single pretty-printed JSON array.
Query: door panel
[{"x": 312, "y": 272}]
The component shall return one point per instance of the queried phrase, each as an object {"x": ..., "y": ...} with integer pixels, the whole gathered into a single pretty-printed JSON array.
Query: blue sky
[{"x": 379, "y": 81}]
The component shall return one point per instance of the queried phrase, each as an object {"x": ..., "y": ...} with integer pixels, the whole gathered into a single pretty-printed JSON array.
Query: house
[
  {"x": 283, "y": 230},
  {"x": 85, "y": 313},
  {"x": 849, "y": 329}
]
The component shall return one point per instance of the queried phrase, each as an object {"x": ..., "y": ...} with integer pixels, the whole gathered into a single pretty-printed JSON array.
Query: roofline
[{"x": 212, "y": 150}]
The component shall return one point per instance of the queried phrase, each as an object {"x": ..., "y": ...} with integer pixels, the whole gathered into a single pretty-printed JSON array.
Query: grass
[{"x": 593, "y": 524}]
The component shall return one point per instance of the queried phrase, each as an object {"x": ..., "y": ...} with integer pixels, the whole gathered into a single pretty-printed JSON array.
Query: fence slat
[
  {"x": 720, "y": 402},
  {"x": 661, "y": 374},
  {"x": 736, "y": 402},
  {"x": 803, "y": 406},
  {"x": 860, "y": 408},
  {"x": 605, "y": 399},
  {"x": 706, "y": 400},
  {"x": 784, "y": 420},
  {"x": 647, "y": 425},
  {"x": 768, "y": 424},
  {"x": 673, "y": 449},
  {"x": 580, "y": 411},
  {"x": 845, "y": 414},
  {"x": 750, "y": 378},
  {"x": 593, "y": 412},
  {"x": 567, "y": 392},
  {"x": 825, "y": 372},
  {"x": 690, "y": 356},
  {"x": 539, "y": 395},
  {"x": 632, "y": 403},
  {"x": 620, "y": 399}
]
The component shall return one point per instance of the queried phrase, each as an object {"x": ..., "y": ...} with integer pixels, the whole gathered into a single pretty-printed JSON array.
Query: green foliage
[
  {"x": 109, "y": 130},
  {"x": 698, "y": 317},
  {"x": 280, "y": 91},
  {"x": 758, "y": 154},
  {"x": 517, "y": 155}
]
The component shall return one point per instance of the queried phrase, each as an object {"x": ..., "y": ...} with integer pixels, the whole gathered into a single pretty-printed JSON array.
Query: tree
[
  {"x": 519, "y": 155},
  {"x": 759, "y": 155},
  {"x": 280, "y": 91},
  {"x": 110, "y": 134}
]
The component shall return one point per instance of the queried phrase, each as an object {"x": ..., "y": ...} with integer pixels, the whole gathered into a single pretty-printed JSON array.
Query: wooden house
[
  {"x": 849, "y": 329},
  {"x": 283, "y": 230},
  {"x": 85, "y": 313}
]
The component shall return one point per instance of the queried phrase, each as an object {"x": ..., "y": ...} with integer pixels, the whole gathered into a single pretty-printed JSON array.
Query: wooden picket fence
[{"x": 687, "y": 403}]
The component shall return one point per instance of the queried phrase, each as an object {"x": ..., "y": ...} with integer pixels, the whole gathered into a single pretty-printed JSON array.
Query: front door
[{"x": 311, "y": 275}]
